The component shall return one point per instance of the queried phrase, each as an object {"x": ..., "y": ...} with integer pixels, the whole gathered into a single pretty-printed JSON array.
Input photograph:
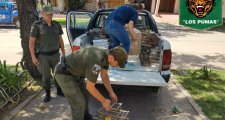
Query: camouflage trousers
[{"x": 74, "y": 89}]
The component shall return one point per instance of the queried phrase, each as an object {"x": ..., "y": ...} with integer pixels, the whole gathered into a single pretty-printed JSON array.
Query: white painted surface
[
  {"x": 136, "y": 78},
  {"x": 135, "y": 74}
]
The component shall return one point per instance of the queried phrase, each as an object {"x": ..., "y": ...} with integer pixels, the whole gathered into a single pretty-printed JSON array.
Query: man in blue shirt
[{"x": 115, "y": 25}]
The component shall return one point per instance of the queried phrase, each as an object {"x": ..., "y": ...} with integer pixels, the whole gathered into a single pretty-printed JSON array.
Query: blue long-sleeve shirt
[{"x": 124, "y": 14}]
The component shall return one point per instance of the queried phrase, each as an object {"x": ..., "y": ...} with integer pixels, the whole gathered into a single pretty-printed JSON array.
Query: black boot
[
  {"x": 47, "y": 96},
  {"x": 59, "y": 92},
  {"x": 88, "y": 116}
]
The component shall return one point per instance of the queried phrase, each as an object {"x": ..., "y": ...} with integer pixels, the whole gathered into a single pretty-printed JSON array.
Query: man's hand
[
  {"x": 134, "y": 39},
  {"x": 35, "y": 61},
  {"x": 106, "y": 104},
  {"x": 113, "y": 97}
]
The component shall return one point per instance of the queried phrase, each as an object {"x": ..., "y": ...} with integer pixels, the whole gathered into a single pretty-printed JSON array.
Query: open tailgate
[
  {"x": 135, "y": 78},
  {"x": 136, "y": 75}
]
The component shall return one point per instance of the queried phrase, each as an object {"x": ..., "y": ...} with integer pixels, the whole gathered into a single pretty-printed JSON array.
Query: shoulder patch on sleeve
[{"x": 96, "y": 69}]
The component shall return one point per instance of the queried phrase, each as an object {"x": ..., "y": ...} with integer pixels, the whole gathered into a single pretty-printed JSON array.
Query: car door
[
  {"x": 76, "y": 24},
  {"x": 5, "y": 13}
]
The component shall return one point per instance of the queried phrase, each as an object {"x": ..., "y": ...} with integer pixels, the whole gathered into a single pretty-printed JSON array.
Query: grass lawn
[
  {"x": 80, "y": 21},
  {"x": 207, "y": 88},
  {"x": 62, "y": 21}
]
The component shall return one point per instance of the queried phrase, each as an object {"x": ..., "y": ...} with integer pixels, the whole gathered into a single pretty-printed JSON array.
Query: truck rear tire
[{"x": 16, "y": 22}]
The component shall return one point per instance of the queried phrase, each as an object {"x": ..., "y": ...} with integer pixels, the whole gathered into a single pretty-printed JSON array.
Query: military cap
[
  {"x": 120, "y": 55},
  {"x": 47, "y": 9}
]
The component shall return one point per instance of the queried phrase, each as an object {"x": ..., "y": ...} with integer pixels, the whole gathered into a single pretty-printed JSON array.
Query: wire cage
[
  {"x": 115, "y": 114},
  {"x": 149, "y": 48}
]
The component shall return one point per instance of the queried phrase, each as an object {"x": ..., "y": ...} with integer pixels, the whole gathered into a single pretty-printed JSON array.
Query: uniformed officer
[
  {"x": 45, "y": 42},
  {"x": 88, "y": 63}
]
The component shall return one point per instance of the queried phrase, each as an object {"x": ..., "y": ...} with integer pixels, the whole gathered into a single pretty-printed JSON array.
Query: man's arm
[
  {"x": 61, "y": 45},
  {"x": 31, "y": 48},
  {"x": 130, "y": 27},
  {"x": 106, "y": 82},
  {"x": 94, "y": 92}
]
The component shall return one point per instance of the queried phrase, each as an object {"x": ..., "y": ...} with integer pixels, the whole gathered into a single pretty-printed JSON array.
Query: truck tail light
[
  {"x": 75, "y": 48},
  {"x": 166, "y": 63}
]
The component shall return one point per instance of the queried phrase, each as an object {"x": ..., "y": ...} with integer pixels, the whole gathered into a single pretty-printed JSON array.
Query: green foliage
[
  {"x": 8, "y": 79},
  {"x": 10, "y": 83},
  {"x": 203, "y": 73},
  {"x": 207, "y": 88},
  {"x": 76, "y": 4}
]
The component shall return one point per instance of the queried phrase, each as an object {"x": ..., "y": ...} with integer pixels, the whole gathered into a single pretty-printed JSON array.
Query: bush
[{"x": 10, "y": 83}]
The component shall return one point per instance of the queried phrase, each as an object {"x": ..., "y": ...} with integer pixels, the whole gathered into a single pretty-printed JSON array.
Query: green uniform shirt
[
  {"x": 87, "y": 62},
  {"x": 47, "y": 37}
]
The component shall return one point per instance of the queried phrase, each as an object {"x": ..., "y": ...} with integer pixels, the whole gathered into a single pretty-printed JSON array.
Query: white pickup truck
[{"x": 151, "y": 67}]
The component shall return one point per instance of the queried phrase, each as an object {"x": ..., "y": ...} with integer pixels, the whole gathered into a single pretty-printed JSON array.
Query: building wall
[
  {"x": 167, "y": 6},
  {"x": 60, "y": 6},
  {"x": 92, "y": 5},
  {"x": 115, "y": 3}
]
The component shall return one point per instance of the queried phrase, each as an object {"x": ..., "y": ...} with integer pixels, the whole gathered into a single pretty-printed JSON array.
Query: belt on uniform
[
  {"x": 66, "y": 72},
  {"x": 60, "y": 70},
  {"x": 49, "y": 52}
]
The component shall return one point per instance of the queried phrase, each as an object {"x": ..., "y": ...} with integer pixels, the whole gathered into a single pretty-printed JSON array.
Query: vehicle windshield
[
  {"x": 79, "y": 20},
  {"x": 4, "y": 7},
  {"x": 142, "y": 23}
]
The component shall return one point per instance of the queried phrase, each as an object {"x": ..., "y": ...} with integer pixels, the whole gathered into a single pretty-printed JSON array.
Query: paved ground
[
  {"x": 147, "y": 105},
  {"x": 191, "y": 49}
]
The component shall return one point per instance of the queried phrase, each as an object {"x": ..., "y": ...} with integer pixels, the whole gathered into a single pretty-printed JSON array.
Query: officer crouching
[{"x": 88, "y": 63}]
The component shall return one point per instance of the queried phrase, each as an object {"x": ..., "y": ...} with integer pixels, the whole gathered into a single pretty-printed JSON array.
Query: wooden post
[
  {"x": 153, "y": 6},
  {"x": 157, "y": 8},
  {"x": 176, "y": 6}
]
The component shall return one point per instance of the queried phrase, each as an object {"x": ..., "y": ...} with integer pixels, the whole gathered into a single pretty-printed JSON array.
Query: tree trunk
[{"x": 27, "y": 15}]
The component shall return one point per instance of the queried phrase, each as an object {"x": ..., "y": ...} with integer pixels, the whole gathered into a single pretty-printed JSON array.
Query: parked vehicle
[
  {"x": 151, "y": 67},
  {"x": 9, "y": 14}
]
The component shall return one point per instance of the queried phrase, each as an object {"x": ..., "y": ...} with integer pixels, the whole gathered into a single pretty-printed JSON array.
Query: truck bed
[{"x": 135, "y": 74}]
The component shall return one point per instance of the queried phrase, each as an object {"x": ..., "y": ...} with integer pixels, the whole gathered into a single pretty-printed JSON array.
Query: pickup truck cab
[
  {"x": 9, "y": 14},
  {"x": 83, "y": 28}
]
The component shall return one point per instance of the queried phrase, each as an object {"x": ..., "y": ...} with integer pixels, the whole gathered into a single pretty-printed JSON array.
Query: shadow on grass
[
  {"x": 185, "y": 61},
  {"x": 208, "y": 93}
]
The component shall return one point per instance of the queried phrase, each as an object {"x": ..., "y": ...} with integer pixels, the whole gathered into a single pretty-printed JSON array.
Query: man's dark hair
[{"x": 137, "y": 6}]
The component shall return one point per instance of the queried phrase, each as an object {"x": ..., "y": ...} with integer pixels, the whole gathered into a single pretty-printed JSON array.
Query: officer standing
[
  {"x": 45, "y": 42},
  {"x": 88, "y": 63}
]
